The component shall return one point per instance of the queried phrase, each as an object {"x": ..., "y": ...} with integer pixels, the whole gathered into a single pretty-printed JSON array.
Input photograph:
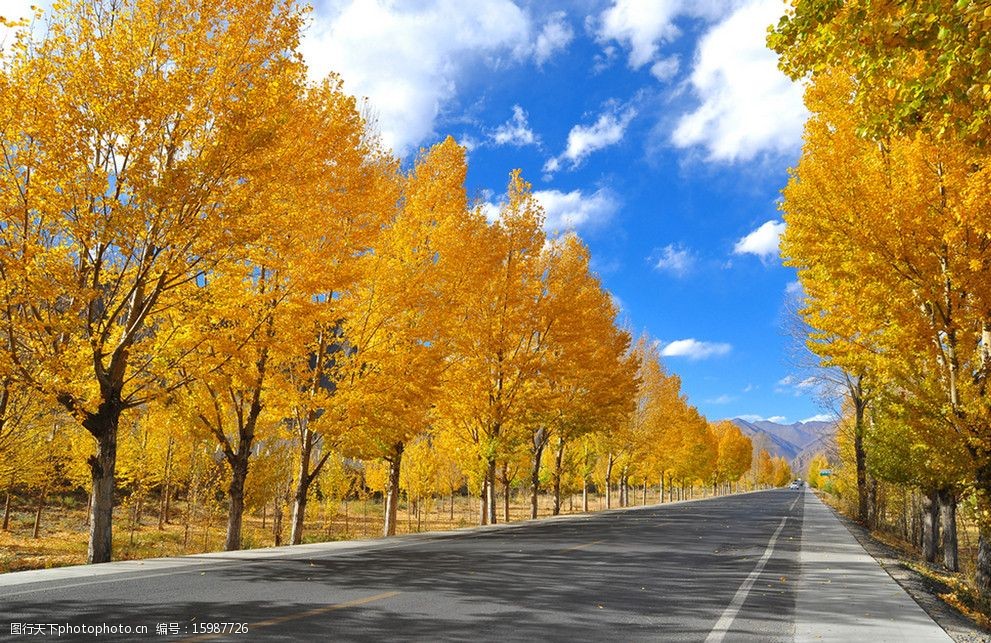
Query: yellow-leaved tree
[
  {"x": 499, "y": 350},
  {"x": 735, "y": 453},
  {"x": 892, "y": 245},
  {"x": 397, "y": 317},
  {"x": 152, "y": 127},
  {"x": 256, "y": 313},
  {"x": 588, "y": 378}
]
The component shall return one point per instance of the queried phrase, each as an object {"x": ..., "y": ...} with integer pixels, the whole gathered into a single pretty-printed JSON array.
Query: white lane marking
[{"x": 729, "y": 614}]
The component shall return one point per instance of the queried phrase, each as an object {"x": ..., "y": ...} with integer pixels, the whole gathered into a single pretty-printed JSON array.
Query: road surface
[{"x": 767, "y": 566}]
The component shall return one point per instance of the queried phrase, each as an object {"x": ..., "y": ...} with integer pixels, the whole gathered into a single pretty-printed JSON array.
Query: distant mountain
[
  {"x": 825, "y": 445},
  {"x": 797, "y": 442}
]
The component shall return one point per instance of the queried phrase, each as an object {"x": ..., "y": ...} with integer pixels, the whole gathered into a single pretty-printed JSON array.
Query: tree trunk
[
  {"x": 101, "y": 509},
  {"x": 7, "y": 503},
  {"x": 305, "y": 478},
  {"x": 930, "y": 526},
  {"x": 483, "y": 514},
  {"x": 948, "y": 523},
  {"x": 277, "y": 522},
  {"x": 983, "y": 575},
  {"x": 609, "y": 464},
  {"x": 302, "y": 487},
  {"x": 906, "y": 517},
  {"x": 585, "y": 494},
  {"x": 863, "y": 502},
  {"x": 660, "y": 487},
  {"x": 872, "y": 503},
  {"x": 558, "y": 458},
  {"x": 505, "y": 491},
  {"x": 983, "y": 571},
  {"x": 37, "y": 514},
  {"x": 239, "y": 473},
  {"x": 490, "y": 501},
  {"x": 163, "y": 501},
  {"x": 392, "y": 491},
  {"x": 135, "y": 505},
  {"x": 300, "y": 497},
  {"x": 192, "y": 496},
  {"x": 539, "y": 441}
]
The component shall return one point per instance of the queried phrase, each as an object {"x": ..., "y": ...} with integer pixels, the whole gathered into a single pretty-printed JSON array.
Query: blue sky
[{"x": 659, "y": 130}]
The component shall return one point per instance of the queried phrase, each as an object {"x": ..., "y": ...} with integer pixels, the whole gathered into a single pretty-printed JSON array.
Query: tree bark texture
[
  {"x": 392, "y": 492},
  {"x": 948, "y": 524}
]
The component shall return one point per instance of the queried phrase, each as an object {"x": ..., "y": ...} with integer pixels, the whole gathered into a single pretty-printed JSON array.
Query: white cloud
[
  {"x": 575, "y": 209},
  {"x": 694, "y": 349},
  {"x": 641, "y": 25},
  {"x": 722, "y": 399},
  {"x": 515, "y": 131},
  {"x": 583, "y": 140},
  {"x": 747, "y": 105},
  {"x": 604, "y": 60},
  {"x": 666, "y": 68},
  {"x": 821, "y": 417},
  {"x": 407, "y": 58},
  {"x": 490, "y": 210},
  {"x": 675, "y": 259},
  {"x": 794, "y": 289},
  {"x": 469, "y": 142},
  {"x": 793, "y": 385},
  {"x": 777, "y": 419},
  {"x": 762, "y": 242},
  {"x": 807, "y": 383},
  {"x": 555, "y": 36}
]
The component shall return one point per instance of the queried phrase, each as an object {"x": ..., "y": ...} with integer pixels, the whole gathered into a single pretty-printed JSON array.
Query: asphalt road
[{"x": 696, "y": 571}]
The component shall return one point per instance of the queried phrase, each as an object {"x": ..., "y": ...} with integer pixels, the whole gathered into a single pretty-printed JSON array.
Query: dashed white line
[{"x": 718, "y": 632}]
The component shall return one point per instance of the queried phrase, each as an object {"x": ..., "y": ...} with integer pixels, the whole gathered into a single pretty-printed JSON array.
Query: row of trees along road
[
  {"x": 203, "y": 252},
  {"x": 887, "y": 221}
]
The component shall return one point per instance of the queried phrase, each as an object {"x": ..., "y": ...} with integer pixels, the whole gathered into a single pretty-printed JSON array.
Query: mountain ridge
[{"x": 797, "y": 442}]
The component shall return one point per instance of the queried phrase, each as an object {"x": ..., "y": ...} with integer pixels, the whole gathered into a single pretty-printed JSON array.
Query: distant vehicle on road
[{"x": 796, "y": 484}]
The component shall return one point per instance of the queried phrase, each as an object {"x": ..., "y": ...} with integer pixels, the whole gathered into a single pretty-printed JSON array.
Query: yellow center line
[
  {"x": 594, "y": 542},
  {"x": 308, "y": 613}
]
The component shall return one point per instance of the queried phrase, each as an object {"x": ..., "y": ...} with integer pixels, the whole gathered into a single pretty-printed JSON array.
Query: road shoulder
[
  {"x": 844, "y": 595},
  {"x": 923, "y": 590}
]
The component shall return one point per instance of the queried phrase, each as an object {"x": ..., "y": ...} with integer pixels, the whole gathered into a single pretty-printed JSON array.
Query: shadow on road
[{"x": 656, "y": 574}]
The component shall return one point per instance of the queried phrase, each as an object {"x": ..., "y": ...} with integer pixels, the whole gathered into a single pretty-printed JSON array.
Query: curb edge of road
[{"x": 960, "y": 628}]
